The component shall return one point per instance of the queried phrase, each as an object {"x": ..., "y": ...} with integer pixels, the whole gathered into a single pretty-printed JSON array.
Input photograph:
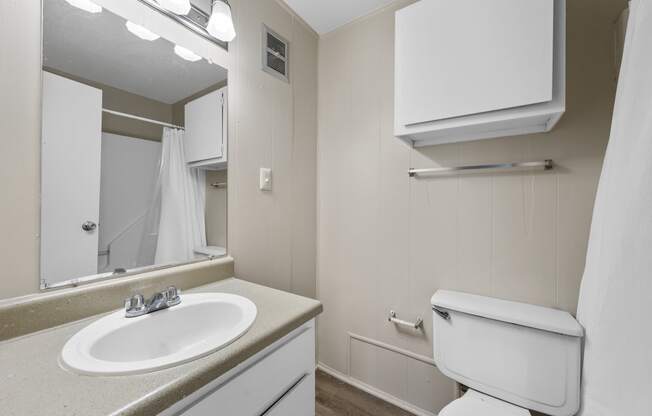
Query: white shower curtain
[
  {"x": 181, "y": 224},
  {"x": 615, "y": 303}
]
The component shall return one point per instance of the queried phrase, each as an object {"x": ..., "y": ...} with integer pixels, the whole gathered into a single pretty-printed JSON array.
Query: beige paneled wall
[
  {"x": 20, "y": 126},
  {"x": 216, "y": 206},
  {"x": 273, "y": 124},
  {"x": 126, "y": 102},
  {"x": 389, "y": 242}
]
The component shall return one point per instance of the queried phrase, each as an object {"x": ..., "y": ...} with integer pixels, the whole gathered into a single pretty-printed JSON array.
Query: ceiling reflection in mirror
[{"x": 134, "y": 147}]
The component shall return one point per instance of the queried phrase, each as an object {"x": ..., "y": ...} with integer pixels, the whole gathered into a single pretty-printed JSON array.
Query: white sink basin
[{"x": 200, "y": 325}]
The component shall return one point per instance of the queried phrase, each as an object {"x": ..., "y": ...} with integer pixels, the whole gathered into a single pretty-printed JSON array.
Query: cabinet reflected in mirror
[{"x": 134, "y": 146}]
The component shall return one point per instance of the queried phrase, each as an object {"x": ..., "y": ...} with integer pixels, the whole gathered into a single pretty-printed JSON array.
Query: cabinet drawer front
[
  {"x": 299, "y": 401},
  {"x": 252, "y": 392}
]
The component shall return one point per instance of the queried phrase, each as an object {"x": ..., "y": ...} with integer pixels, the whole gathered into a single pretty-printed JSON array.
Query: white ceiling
[
  {"x": 98, "y": 47},
  {"x": 327, "y": 15}
]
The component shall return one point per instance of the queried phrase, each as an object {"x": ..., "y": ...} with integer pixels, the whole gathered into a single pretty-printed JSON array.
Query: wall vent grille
[{"x": 276, "y": 54}]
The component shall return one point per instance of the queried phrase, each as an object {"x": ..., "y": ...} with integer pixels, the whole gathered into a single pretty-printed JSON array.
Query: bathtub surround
[
  {"x": 133, "y": 161},
  {"x": 389, "y": 242}
]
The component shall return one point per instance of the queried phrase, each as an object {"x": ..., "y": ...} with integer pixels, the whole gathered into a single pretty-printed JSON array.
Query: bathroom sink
[{"x": 201, "y": 324}]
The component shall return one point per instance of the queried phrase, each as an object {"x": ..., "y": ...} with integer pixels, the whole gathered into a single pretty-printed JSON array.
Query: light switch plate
[{"x": 265, "y": 179}]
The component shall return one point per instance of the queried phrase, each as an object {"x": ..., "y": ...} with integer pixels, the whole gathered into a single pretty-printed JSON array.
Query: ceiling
[
  {"x": 98, "y": 47},
  {"x": 326, "y": 16}
]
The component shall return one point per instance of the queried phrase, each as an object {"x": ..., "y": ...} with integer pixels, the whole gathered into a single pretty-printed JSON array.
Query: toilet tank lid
[{"x": 532, "y": 316}]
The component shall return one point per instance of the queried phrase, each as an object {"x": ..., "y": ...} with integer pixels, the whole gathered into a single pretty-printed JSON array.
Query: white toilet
[{"x": 514, "y": 357}]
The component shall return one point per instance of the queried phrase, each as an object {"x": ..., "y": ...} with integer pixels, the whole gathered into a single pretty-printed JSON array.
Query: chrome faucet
[{"x": 138, "y": 306}]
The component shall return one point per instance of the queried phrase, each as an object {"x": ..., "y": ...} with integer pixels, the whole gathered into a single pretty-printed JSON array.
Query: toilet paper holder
[{"x": 393, "y": 318}]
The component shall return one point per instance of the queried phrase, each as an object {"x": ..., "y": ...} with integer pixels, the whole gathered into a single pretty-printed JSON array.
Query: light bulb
[
  {"x": 220, "y": 24},
  {"x": 181, "y": 7},
  {"x": 141, "y": 32},
  {"x": 86, "y": 5},
  {"x": 186, "y": 54}
]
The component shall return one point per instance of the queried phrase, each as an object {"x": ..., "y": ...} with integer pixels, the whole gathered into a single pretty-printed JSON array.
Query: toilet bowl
[
  {"x": 513, "y": 357},
  {"x": 474, "y": 403}
]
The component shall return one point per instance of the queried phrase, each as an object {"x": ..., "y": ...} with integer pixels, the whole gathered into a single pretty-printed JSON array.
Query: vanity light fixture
[
  {"x": 220, "y": 24},
  {"x": 85, "y": 5},
  {"x": 181, "y": 7},
  {"x": 186, "y": 54},
  {"x": 141, "y": 32}
]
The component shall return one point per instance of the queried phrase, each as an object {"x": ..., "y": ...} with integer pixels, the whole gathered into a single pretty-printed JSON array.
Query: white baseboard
[{"x": 374, "y": 391}]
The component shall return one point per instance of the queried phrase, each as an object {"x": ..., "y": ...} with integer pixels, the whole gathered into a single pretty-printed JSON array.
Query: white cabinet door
[
  {"x": 299, "y": 401},
  {"x": 204, "y": 123},
  {"x": 70, "y": 178},
  {"x": 258, "y": 388},
  {"x": 462, "y": 57}
]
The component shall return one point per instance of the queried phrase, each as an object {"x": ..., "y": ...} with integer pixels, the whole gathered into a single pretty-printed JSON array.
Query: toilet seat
[{"x": 474, "y": 403}]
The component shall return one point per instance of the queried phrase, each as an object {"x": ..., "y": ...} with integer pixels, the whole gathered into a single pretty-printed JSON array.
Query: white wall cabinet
[
  {"x": 205, "y": 140},
  {"x": 280, "y": 380},
  {"x": 470, "y": 70}
]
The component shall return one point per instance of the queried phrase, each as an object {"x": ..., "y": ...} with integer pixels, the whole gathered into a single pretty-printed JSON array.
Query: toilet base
[{"x": 474, "y": 403}]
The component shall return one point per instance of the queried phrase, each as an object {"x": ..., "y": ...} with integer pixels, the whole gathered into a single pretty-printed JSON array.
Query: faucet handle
[
  {"x": 173, "y": 296},
  {"x": 134, "y": 305}
]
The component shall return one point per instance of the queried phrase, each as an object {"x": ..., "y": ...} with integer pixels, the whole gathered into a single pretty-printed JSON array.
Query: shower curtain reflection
[{"x": 176, "y": 216}]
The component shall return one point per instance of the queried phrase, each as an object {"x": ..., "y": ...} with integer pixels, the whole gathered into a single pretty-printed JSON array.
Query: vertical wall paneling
[
  {"x": 389, "y": 242},
  {"x": 273, "y": 124},
  {"x": 20, "y": 144}
]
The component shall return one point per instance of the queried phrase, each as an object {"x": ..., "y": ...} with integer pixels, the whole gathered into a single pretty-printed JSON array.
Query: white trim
[
  {"x": 374, "y": 391},
  {"x": 388, "y": 347}
]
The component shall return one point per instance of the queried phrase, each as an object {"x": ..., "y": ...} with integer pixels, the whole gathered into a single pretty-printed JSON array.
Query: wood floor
[{"x": 335, "y": 398}]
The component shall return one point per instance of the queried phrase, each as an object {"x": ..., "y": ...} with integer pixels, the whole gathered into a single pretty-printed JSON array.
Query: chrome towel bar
[
  {"x": 542, "y": 165},
  {"x": 414, "y": 325}
]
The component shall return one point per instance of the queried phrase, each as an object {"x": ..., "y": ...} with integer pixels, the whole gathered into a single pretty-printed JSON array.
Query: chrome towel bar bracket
[
  {"x": 547, "y": 164},
  {"x": 413, "y": 325}
]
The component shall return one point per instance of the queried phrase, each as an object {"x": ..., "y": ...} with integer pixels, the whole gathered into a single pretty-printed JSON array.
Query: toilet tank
[{"x": 527, "y": 355}]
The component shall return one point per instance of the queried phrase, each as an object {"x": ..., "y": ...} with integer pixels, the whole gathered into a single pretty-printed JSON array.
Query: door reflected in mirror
[{"x": 134, "y": 148}]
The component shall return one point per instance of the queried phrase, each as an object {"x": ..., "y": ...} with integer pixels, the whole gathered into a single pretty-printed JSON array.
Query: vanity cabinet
[
  {"x": 469, "y": 70},
  {"x": 280, "y": 380},
  {"x": 205, "y": 139}
]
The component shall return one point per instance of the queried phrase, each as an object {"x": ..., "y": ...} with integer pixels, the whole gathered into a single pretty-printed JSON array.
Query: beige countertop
[{"x": 33, "y": 382}]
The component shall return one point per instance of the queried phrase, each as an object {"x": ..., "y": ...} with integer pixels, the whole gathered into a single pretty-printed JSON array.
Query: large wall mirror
[{"x": 134, "y": 148}]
